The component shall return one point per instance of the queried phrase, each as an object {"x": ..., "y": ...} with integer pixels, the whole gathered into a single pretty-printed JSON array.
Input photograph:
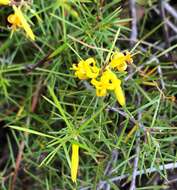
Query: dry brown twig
[
  {"x": 34, "y": 103},
  {"x": 17, "y": 164}
]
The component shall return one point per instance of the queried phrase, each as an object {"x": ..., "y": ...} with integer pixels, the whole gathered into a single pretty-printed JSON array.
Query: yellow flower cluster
[
  {"x": 104, "y": 80},
  {"x": 17, "y": 20}
]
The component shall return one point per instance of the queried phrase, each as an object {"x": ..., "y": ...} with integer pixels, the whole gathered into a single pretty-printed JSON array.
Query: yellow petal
[
  {"x": 11, "y": 18},
  {"x": 92, "y": 72},
  {"x": 90, "y": 61},
  {"x": 120, "y": 95},
  {"x": 110, "y": 80},
  {"x": 74, "y": 67},
  {"x": 91, "y": 69},
  {"x": 24, "y": 23},
  {"x": 81, "y": 75},
  {"x": 122, "y": 66},
  {"x": 4, "y": 2},
  {"x": 14, "y": 20},
  {"x": 117, "y": 55},
  {"x": 95, "y": 83},
  {"x": 74, "y": 162}
]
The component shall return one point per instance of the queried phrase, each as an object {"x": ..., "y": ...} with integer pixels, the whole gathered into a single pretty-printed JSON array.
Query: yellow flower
[
  {"x": 18, "y": 21},
  {"x": 119, "y": 95},
  {"x": 86, "y": 69},
  {"x": 4, "y": 2},
  {"x": 101, "y": 89},
  {"x": 108, "y": 81},
  {"x": 14, "y": 20},
  {"x": 80, "y": 70},
  {"x": 74, "y": 162},
  {"x": 119, "y": 60}
]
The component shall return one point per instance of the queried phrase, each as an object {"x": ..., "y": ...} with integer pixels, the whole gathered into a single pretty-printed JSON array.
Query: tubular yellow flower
[
  {"x": 4, "y": 2},
  {"x": 121, "y": 66},
  {"x": 108, "y": 81},
  {"x": 101, "y": 89},
  {"x": 119, "y": 60},
  {"x": 74, "y": 162},
  {"x": 86, "y": 69},
  {"x": 18, "y": 21},
  {"x": 119, "y": 95},
  {"x": 14, "y": 20},
  {"x": 92, "y": 69},
  {"x": 80, "y": 70}
]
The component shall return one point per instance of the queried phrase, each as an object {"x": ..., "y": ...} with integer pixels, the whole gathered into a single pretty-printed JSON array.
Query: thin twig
[
  {"x": 159, "y": 70},
  {"x": 170, "y": 181},
  {"x": 122, "y": 113},
  {"x": 131, "y": 118},
  {"x": 166, "y": 32},
  {"x": 108, "y": 170},
  {"x": 170, "y": 9},
  {"x": 134, "y": 32},
  {"x": 147, "y": 171},
  {"x": 36, "y": 95},
  {"x": 171, "y": 39},
  {"x": 17, "y": 164},
  {"x": 114, "y": 157},
  {"x": 135, "y": 164},
  {"x": 172, "y": 26},
  {"x": 19, "y": 158},
  {"x": 32, "y": 67},
  {"x": 87, "y": 45},
  {"x": 35, "y": 100},
  {"x": 152, "y": 59},
  {"x": 148, "y": 44}
]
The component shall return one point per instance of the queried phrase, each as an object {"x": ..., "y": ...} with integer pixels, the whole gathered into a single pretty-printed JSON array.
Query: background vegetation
[{"x": 43, "y": 105}]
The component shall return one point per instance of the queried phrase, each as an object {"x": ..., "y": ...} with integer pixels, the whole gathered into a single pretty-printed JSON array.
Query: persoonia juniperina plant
[{"x": 103, "y": 80}]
